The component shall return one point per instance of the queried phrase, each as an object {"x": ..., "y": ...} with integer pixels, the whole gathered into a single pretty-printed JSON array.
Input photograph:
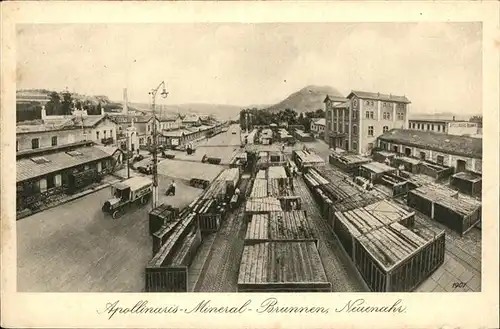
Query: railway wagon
[
  {"x": 282, "y": 267},
  {"x": 167, "y": 279},
  {"x": 209, "y": 222},
  {"x": 389, "y": 256},
  {"x": 467, "y": 183},
  {"x": 168, "y": 270}
]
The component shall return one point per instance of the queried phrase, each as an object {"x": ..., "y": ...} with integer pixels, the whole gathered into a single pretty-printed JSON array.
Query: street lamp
[{"x": 163, "y": 94}]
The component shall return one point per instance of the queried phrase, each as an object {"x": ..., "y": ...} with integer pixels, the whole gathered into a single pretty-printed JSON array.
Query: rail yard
[{"x": 267, "y": 218}]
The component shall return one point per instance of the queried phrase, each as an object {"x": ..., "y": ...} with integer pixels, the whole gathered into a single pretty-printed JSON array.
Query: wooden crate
[{"x": 160, "y": 216}]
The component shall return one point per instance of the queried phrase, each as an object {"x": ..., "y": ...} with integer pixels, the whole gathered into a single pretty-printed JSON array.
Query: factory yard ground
[{"x": 75, "y": 247}]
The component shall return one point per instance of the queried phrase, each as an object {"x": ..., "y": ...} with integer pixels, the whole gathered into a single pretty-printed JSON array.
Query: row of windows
[
  {"x": 385, "y": 104},
  {"x": 104, "y": 133},
  {"x": 385, "y": 115},
  {"x": 35, "y": 142},
  {"x": 430, "y": 126},
  {"x": 371, "y": 130}
]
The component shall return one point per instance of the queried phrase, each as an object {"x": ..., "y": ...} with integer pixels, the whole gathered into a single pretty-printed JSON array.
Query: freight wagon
[
  {"x": 168, "y": 270},
  {"x": 390, "y": 255}
]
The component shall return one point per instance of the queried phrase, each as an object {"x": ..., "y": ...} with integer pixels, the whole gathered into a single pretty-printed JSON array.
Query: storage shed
[
  {"x": 390, "y": 256},
  {"x": 282, "y": 267},
  {"x": 468, "y": 183}
]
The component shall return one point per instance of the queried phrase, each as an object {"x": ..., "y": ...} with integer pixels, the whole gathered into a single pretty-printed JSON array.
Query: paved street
[
  {"x": 75, "y": 247},
  {"x": 224, "y": 146}
]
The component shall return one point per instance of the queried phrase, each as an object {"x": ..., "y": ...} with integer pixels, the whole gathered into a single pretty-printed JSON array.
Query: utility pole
[{"x": 164, "y": 94}]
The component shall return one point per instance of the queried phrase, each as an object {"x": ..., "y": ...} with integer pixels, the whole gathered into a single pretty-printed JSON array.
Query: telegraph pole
[{"x": 164, "y": 94}]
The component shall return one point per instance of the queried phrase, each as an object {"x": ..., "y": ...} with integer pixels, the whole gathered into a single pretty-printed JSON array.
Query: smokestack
[
  {"x": 453, "y": 118},
  {"x": 125, "y": 101}
]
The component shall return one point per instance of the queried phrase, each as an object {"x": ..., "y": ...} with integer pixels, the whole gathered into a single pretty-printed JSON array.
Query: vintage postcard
[{"x": 223, "y": 165}]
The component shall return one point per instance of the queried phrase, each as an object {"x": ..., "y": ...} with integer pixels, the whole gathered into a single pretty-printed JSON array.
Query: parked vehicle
[{"x": 133, "y": 191}]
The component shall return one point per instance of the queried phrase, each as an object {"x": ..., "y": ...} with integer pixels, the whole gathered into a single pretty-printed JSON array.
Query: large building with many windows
[
  {"x": 451, "y": 127},
  {"x": 355, "y": 123}
]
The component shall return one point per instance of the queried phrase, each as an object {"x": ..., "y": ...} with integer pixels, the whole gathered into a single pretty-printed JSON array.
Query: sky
[{"x": 438, "y": 66}]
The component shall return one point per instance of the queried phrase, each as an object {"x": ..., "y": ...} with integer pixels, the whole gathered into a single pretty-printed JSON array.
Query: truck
[{"x": 131, "y": 192}]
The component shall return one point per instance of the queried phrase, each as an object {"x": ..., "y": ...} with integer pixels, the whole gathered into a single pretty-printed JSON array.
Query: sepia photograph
[{"x": 258, "y": 157}]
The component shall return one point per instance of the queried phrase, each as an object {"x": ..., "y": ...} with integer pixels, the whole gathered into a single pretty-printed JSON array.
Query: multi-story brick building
[{"x": 356, "y": 122}]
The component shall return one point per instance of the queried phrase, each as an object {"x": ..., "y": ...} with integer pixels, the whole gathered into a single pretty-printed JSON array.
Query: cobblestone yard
[
  {"x": 220, "y": 273},
  {"x": 461, "y": 270}
]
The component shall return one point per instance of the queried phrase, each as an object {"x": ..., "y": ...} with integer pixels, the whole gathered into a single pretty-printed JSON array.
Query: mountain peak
[{"x": 310, "y": 98}]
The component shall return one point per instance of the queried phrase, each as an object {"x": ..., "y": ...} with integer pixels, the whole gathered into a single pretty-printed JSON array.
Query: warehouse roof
[
  {"x": 281, "y": 262},
  {"x": 379, "y": 96},
  {"x": 275, "y": 226},
  {"x": 450, "y": 144},
  {"x": 334, "y": 98},
  {"x": 320, "y": 122},
  {"x": 37, "y": 166}
]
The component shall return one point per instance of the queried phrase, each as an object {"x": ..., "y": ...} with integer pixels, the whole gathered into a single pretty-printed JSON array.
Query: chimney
[
  {"x": 390, "y": 95},
  {"x": 102, "y": 111},
  {"x": 44, "y": 112},
  {"x": 125, "y": 101},
  {"x": 453, "y": 118},
  {"x": 378, "y": 94}
]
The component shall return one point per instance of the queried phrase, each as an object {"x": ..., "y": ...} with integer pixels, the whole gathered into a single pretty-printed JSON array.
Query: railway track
[
  {"x": 220, "y": 272},
  {"x": 338, "y": 267}
]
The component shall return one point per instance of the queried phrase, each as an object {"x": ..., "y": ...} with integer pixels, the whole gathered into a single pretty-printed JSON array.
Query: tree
[
  {"x": 53, "y": 105},
  {"x": 478, "y": 119},
  {"x": 66, "y": 104}
]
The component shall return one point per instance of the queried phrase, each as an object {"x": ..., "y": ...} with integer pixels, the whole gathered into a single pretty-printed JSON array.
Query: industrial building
[
  {"x": 355, "y": 124},
  {"x": 461, "y": 152}
]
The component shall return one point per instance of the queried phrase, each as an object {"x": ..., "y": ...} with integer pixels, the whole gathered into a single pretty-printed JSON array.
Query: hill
[
  {"x": 219, "y": 110},
  {"x": 307, "y": 99}
]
